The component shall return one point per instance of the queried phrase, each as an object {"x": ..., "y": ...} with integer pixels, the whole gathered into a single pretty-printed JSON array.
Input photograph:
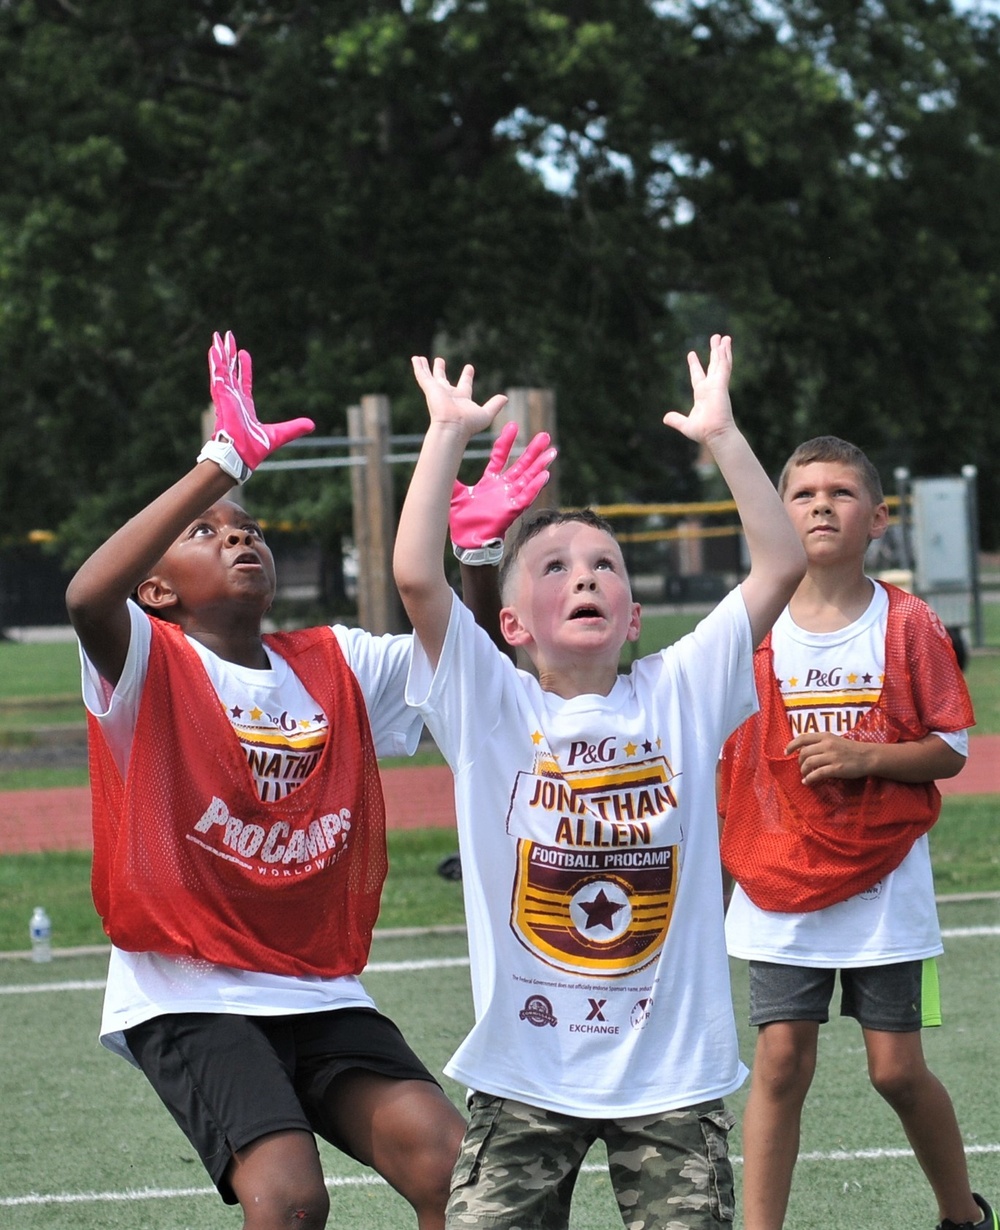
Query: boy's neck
[
  {"x": 241, "y": 646},
  {"x": 588, "y": 679},
  {"x": 830, "y": 599}
]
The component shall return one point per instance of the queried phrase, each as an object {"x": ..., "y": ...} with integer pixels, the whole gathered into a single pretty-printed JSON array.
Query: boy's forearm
[
  {"x": 824, "y": 756},
  {"x": 765, "y": 522},
  {"x": 481, "y": 594},
  {"x": 113, "y": 571},
  {"x": 418, "y": 556},
  {"x": 922, "y": 760},
  {"x": 777, "y": 558}
]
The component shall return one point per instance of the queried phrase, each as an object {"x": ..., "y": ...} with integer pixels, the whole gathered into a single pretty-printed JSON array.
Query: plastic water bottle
[{"x": 40, "y": 929}]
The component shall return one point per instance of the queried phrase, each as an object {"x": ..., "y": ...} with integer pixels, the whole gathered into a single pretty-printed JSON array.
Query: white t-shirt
[
  {"x": 591, "y": 873},
  {"x": 282, "y": 731},
  {"x": 828, "y": 680}
]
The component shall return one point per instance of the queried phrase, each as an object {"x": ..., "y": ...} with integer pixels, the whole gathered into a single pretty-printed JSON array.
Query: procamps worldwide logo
[{"x": 537, "y": 1010}]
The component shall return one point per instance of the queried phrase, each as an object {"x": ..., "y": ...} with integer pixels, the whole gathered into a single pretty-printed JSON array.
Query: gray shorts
[
  {"x": 898, "y": 998},
  {"x": 229, "y": 1080},
  {"x": 518, "y": 1166}
]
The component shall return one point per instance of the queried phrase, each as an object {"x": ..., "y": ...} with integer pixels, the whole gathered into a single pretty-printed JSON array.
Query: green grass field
[
  {"x": 85, "y": 1143},
  {"x": 31, "y": 675},
  {"x": 40, "y": 683},
  {"x": 415, "y": 895}
]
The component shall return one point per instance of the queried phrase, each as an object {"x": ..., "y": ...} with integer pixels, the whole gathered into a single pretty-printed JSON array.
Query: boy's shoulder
[
  {"x": 726, "y": 626},
  {"x": 904, "y": 602}
]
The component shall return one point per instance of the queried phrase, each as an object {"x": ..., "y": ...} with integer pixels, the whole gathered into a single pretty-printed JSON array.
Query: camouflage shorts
[{"x": 518, "y": 1165}]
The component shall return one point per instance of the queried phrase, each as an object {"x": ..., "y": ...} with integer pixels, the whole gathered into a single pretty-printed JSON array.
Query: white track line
[
  {"x": 376, "y": 967},
  {"x": 406, "y": 967},
  {"x": 379, "y": 967},
  {"x": 362, "y": 1180}
]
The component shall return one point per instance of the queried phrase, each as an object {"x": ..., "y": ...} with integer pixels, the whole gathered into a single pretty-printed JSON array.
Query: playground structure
[
  {"x": 371, "y": 451},
  {"x": 677, "y": 553},
  {"x": 682, "y": 553}
]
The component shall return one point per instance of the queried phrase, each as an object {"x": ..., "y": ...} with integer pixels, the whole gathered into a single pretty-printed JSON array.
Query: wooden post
[
  {"x": 379, "y": 608},
  {"x": 533, "y": 410}
]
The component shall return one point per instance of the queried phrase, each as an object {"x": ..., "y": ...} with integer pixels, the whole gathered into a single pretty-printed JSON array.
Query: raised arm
[
  {"x": 777, "y": 559},
  {"x": 97, "y": 594},
  {"x": 418, "y": 558}
]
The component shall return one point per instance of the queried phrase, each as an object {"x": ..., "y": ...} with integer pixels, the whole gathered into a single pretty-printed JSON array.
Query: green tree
[
  {"x": 571, "y": 193},
  {"x": 853, "y": 165}
]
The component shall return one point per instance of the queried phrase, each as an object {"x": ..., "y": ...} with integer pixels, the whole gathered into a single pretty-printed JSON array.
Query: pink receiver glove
[
  {"x": 240, "y": 441},
  {"x": 481, "y": 515}
]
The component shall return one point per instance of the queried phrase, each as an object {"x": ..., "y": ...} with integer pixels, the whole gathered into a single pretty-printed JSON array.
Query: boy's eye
[
  {"x": 554, "y": 565},
  {"x": 197, "y": 530},
  {"x": 606, "y": 563}
]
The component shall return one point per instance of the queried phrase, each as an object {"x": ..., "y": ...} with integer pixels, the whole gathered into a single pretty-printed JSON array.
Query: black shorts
[{"x": 229, "y": 1080}]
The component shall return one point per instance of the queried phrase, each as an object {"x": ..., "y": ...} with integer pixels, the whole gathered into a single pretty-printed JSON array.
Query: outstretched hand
[
  {"x": 712, "y": 410},
  {"x": 237, "y": 429},
  {"x": 483, "y": 513},
  {"x": 452, "y": 404}
]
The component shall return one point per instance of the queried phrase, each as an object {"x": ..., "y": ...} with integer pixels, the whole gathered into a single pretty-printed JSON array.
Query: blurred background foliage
[{"x": 568, "y": 193}]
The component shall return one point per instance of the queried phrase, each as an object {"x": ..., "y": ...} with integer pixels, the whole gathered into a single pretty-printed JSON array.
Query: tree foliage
[{"x": 569, "y": 193}]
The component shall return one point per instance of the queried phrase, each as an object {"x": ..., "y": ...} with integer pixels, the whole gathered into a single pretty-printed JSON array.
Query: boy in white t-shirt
[
  {"x": 827, "y": 795},
  {"x": 586, "y": 813},
  {"x": 239, "y": 844}
]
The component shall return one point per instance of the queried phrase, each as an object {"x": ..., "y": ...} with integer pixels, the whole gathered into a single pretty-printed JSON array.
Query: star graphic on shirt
[
  {"x": 537, "y": 737},
  {"x": 647, "y": 747},
  {"x": 881, "y": 678},
  {"x": 318, "y": 718},
  {"x": 305, "y": 723},
  {"x": 793, "y": 681},
  {"x": 630, "y": 749},
  {"x": 256, "y": 714},
  {"x": 866, "y": 678},
  {"x": 659, "y": 744},
  {"x": 601, "y": 911},
  {"x": 236, "y": 711},
  {"x": 852, "y": 678}
]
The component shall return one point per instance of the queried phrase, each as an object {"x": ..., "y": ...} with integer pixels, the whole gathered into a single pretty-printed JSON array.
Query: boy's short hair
[
  {"x": 529, "y": 528},
  {"x": 839, "y": 452}
]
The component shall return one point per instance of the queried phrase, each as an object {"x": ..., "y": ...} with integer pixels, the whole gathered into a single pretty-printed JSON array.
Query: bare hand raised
[
  {"x": 451, "y": 405},
  {"x": 712, "y": 411}
]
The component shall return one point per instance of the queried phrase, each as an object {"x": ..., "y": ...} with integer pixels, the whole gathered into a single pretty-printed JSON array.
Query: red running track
[{"x": 59, "y": 819}]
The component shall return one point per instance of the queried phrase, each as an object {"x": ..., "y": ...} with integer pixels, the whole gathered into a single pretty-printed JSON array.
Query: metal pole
[
  {"x": 970, "y": 473},
  {"x": 902, "y": 476}
]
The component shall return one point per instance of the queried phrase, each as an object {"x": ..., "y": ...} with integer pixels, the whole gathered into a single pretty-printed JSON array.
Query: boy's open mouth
[{"x": 586, "y": 612}]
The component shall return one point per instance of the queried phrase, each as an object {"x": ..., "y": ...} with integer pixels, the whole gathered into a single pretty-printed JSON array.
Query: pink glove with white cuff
[
  {"x": 240, "y": 441},
  {"x": 481, "y": 515}
]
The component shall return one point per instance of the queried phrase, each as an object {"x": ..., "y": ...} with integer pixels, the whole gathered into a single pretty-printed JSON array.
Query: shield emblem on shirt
[{"x": 599, "y": 901}]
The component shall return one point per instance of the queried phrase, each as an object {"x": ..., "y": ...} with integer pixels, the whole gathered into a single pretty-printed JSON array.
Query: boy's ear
[
  {"x": 511, "y": 628},
  {"x": 880, "y": 521},
  {"x": 155, "y": 593},
  {"x": 635, "y": 623}
]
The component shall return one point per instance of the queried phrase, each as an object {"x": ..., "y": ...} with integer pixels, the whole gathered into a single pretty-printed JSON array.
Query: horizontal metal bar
[{"x": 313, "y": 463}]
